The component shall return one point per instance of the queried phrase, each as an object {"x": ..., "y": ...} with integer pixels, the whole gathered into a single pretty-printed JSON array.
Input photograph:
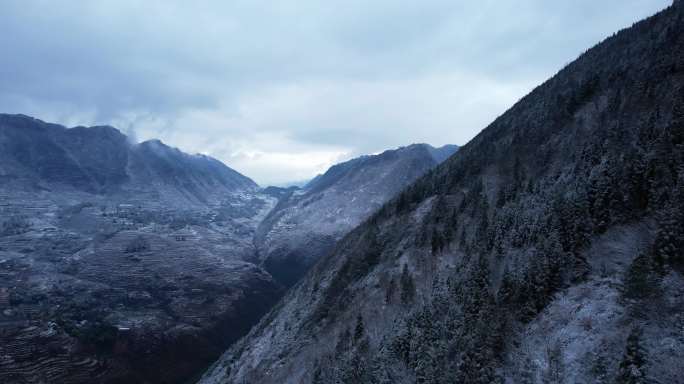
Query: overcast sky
[{"x": 281, "y": 90}]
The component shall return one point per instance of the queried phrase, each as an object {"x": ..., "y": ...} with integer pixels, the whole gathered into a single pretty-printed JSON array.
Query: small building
[
  {"x": 184, "y": 235},
  {"x": 122, "y": 340},
  {"x": 125, "y": 208}
]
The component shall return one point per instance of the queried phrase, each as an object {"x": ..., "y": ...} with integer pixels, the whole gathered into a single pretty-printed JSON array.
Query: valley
[
  {"x": 140, "y": 263},
  {"x": 547, "y": 249}
]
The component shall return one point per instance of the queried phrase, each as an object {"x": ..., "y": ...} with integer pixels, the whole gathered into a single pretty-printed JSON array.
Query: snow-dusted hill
[{"x": 307, "y": 223}]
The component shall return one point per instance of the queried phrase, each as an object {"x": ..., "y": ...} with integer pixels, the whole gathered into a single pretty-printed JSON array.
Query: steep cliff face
[
  {"x": 548, "y": 249},
  {"x": 307, "y": 223}
]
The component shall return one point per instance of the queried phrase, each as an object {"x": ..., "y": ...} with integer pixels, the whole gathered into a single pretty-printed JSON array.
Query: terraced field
[{"x": 95, "y": 291}]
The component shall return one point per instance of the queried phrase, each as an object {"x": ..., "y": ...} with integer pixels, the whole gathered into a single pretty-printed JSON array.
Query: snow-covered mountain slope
[
  {"x": 121, "y": 262},
  {"x": 549, "y": 249},
  {"x": 307, "y": 223}
]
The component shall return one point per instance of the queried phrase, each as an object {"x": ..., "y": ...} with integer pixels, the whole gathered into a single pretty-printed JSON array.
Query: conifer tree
[
  {"x": 318, "y": 375},
  {"x": 389, "y": 291},
  {"x": 526, "y": 374},
  {"x": 633, "y": 366},
  {"x": 667, "y": 247},
  {"x": 359, "y": 330},
  {"x": 408, "y": 287},
  {"x": 599, "y": 370},
  {"x": 343, "y": 343},
  {"x": 641, "y": 280},
  {"x": 506, "y": 293},
  {"x": 554, "y": 373}
]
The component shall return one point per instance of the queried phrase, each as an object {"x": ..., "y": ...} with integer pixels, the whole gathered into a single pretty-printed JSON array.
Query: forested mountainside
[
  {"x": 548, "y": 249},
  {"x": 307, "y": 222}
]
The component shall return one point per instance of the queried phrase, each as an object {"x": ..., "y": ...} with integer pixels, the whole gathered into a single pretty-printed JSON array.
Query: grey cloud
[{"x": 291, "y": 77}]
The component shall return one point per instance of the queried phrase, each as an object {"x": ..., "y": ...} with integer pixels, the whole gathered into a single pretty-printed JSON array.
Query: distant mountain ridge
[{"x": 102, "y": 160}]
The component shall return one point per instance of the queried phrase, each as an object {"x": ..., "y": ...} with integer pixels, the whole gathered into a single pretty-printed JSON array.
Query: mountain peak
[
  {"x": 439, "y": 154},
  {"x": 154, "y": 143},
  {"x": 101, "y": 159}
]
